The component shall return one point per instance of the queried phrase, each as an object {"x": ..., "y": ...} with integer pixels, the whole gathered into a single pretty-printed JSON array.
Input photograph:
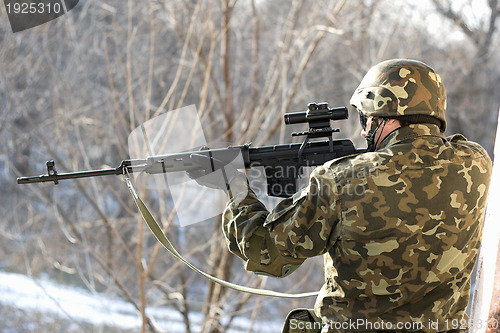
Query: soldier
[{"x": 399, "y": 226}]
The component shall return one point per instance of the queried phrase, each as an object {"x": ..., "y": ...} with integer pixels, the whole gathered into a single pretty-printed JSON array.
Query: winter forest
[{"x": 75, "y": 88}]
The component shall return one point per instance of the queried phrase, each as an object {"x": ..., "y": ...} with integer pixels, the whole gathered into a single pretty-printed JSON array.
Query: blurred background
[{"x": 73, "y": 89}]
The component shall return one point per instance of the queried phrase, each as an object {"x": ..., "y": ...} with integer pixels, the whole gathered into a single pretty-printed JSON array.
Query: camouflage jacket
[{"x": 399, "y": 228}]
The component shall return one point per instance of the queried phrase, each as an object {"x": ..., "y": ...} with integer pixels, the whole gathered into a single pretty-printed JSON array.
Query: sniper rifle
[{"x": 282, "y": 163}]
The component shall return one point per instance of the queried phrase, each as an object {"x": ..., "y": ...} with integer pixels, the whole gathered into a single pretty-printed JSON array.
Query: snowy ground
[{"x": 82, "y": 308}]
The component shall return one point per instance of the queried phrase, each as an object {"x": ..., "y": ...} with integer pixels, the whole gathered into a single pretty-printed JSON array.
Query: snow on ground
[
  {"x": 28, "y": 294},
  {"x": 78, "y": 305}
]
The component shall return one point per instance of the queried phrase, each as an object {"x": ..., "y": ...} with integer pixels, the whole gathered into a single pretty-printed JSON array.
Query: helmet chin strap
[{"x": 370, "y": 136}]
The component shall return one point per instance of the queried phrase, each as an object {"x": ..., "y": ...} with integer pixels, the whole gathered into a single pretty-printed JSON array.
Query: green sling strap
[{"x": 158, "y": 232}]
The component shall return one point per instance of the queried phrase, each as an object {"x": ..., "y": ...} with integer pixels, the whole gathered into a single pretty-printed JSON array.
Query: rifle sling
[{"x": 162, "y": 238}]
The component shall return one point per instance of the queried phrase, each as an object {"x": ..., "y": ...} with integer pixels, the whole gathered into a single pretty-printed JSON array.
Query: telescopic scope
[{"x": 316, "y": 113}]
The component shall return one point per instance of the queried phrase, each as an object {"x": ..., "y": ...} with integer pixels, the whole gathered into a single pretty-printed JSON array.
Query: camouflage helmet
[{"x": 402, "y": 88}]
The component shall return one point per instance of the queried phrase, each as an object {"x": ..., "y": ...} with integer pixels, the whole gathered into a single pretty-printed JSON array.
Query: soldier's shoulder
[
  {"x": 367, "y": 162},
  {"x": 367, "y": 158},
  {"x": 458, "y": 141}
]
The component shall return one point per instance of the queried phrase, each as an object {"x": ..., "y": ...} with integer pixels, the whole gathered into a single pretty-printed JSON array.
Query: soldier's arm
[{"x": 277, "y": 242}]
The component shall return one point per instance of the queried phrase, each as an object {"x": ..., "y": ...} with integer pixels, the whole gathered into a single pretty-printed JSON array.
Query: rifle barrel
[
  {"x": 69, "y": 175},
  {"x": 53, "y": 176}
]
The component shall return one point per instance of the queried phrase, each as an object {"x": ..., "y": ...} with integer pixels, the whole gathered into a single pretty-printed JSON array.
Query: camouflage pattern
[
  {"x": 401, "y": 87},
  {"x": 399, "y": 229}
]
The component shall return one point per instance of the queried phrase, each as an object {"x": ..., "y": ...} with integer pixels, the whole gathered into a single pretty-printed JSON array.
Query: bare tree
[{"x": 473, "y": 95}]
